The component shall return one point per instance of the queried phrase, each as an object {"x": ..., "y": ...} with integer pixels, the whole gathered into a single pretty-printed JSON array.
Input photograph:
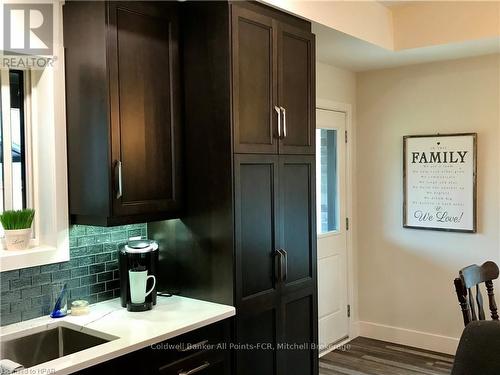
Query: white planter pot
[{"x": 17, "y": 239}]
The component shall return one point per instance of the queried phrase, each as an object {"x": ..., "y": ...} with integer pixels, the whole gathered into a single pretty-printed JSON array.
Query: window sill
[{"x": 34, "y": 256}]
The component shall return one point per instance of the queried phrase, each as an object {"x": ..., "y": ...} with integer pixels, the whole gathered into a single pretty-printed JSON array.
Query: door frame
[{"x": 352, "y": 286}]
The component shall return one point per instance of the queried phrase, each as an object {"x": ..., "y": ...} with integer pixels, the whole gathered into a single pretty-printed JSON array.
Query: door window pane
[{"x": 327, "y": 180}]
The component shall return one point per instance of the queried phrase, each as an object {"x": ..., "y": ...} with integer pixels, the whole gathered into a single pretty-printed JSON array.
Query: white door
[{"x": 331, "y": 223}]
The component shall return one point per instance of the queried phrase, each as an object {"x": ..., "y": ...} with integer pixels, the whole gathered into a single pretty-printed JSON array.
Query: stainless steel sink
[{"x": 55, "y": 342}]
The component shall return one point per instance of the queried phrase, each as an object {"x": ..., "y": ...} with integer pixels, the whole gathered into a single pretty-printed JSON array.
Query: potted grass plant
[{"x": 17, "y": 228}]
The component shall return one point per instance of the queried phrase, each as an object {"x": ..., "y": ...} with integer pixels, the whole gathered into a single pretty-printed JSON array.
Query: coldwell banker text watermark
[
  {"x": 28, "y": 36},
  {"x": 248, "y": 346}
]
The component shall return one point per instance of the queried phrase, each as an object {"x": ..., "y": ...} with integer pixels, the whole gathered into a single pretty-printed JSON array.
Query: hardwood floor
[{"x": 364, "y": 356}]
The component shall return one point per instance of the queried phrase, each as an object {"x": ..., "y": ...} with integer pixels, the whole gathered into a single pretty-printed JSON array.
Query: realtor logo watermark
[{"x": 28, "y": 35}]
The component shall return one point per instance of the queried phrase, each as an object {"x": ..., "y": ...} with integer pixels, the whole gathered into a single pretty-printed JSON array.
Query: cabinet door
[
  {"x": 254, "y": 82},
  {"x": 256, "y": 228},
  {"x": 296, "y": 90},
  {"x": 145, "y": 109},
  {"x": 298, "y": 319},
  {"x": 138, "y": 362},
  {"x": 256, "y": 337},
  {"x": 297, "y": 221},
  {"x": 298, "y": 299},
  {"x": 256, "y": 234},
  {"x": 298, "y": 352}
]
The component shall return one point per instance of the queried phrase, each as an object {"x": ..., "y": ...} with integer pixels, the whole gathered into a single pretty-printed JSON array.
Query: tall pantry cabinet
[{"x": 248, "y": 234}]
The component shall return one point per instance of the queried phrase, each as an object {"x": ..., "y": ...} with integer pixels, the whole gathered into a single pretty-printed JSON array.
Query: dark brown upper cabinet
[
  {"x": 255, "y": 82},
  {"x": 273, "y": 85},
  {"x": 123, "y": 111},
  {"x": 296, "y": 90}
]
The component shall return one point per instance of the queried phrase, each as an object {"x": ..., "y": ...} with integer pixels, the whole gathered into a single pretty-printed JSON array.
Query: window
[
  {"x": 327, "y": 179},
  {"x": 33, "y": 168},
  {"x": 14, "y": 151}
]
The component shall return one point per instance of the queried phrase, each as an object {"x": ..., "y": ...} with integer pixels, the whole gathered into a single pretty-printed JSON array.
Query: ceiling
[{"x": 345, "y": 51}]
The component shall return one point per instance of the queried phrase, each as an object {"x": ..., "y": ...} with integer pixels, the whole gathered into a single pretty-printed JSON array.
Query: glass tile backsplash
[{"x": 91, "y": 274}]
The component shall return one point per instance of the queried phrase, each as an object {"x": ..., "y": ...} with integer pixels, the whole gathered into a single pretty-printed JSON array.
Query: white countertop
[{"x": 172, "y": 316}]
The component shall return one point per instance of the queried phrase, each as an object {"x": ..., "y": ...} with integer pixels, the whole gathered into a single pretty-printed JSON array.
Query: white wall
[
  {"x": 406, "y": 291},
  {"x": 335, "y": 84}
]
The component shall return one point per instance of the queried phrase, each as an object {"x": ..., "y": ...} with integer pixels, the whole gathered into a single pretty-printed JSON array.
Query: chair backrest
[{"x": 470, "y": 278}]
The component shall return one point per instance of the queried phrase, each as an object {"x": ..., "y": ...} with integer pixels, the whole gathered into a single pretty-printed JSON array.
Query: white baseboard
[
  {"x": 335, "y": 347},
  {"x": 409, "y": 337},
  {"x": 353, "y": 333},
  {"x": 353, "y": 329}
]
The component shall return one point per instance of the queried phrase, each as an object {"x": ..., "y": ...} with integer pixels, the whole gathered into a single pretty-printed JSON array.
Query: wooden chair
[
  {"x": 470, "y": 277},
  {"x": 478, "y": 352}
]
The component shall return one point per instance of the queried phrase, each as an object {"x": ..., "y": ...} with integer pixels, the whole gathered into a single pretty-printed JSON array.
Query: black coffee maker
[{"x": 137, "y": 257}]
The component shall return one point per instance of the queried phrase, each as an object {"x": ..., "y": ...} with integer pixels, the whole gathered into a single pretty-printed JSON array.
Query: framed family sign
[{"x": 439, "y": 182}]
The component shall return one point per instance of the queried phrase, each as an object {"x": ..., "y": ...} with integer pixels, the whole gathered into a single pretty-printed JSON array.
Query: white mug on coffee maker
[{"x": 138, "y": 279}]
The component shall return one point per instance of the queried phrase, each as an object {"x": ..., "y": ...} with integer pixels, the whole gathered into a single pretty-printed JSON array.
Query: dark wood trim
[{"x": 474, "y": 208}]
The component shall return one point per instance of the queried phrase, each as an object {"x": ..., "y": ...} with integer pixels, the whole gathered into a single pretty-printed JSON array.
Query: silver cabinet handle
[
  {"x": 195, "y": 370},
  {"x": 118, "y": 178},
  {"x": 285, "y": 274},
  {"x": 278, "y": 111},
  {"x": 283, "y": 110},
  {"x": 194, "y": 346},
  {"x": 279, "y": 257}
]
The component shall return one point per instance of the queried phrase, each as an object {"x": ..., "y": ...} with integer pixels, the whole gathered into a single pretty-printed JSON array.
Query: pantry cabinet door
[
  {"x": 256, "y": 261},
  {"x": 254, "y": 82},
  {"x": 298, "y": 322},
  {"x": 297, "y": 220},
  {"x": 298, "y": 337},
  {"x": 296, "y": 95}
]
